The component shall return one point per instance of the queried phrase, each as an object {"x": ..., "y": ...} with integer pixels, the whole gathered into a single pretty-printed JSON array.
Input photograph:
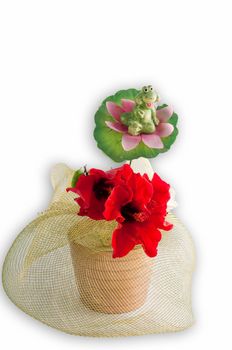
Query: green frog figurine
[{"x": 143, "y": 118}]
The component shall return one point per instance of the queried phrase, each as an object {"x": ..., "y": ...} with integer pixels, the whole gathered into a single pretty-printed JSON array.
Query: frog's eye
[
  {"x": 151, "y": 88},
  {"x": 145, "y": 89}
]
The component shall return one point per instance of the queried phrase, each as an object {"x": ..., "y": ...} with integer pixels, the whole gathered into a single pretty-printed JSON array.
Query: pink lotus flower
[{"x": 129, "y": 142}]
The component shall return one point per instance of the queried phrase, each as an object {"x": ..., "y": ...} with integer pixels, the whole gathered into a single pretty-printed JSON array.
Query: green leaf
[{"x": 76, "y": 176}]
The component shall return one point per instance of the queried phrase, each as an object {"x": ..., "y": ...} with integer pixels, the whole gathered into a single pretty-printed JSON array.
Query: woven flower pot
[{"x": 111, "y": 285}]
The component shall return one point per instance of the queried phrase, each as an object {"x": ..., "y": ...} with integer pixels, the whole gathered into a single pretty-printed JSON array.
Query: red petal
[
  {"x": 161, "y": 189},
  {"x": 94, "y": 211},
  {"x": 142, "y": 190},
  {"x": 123, "y": 173},
  {"x": 84, "y": 188},
  {"x": 97, "y": 173},
  {"x": 72, "y": 189},
  {"x": 119, "y": 196},
  {"x": 122, "y": 241},
  {"x": 166, "y": 226},
  {"x": 149, "y": 237}
]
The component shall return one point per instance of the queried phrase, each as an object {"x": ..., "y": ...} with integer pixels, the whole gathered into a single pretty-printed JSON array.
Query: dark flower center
[
  {"x": 128, "y": 211},
  {"x": 102, "y": 189},
  {"x": 131, "y": 213}
]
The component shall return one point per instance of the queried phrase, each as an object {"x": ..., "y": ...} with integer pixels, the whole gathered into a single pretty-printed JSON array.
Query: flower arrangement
[
  {"x": 129, "y": 125},
  {"x": 102, "y": 261},
  {"x": 138, "y": 204}
]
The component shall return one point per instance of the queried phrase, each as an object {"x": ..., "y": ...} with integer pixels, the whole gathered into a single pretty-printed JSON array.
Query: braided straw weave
[{"x": 60, "y": 271}]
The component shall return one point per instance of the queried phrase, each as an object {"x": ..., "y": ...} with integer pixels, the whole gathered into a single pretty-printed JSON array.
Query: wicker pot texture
[{"x": 111, "y": 285}]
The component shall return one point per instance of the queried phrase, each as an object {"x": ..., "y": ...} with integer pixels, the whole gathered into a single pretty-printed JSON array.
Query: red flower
[
  {"x": 136, "y": 203},
  {"x": 93, "y": 190},
  {"x": 139, "y": 205}
]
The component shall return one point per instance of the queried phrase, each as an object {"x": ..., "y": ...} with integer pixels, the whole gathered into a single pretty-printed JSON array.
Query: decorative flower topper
[
  {"x": 129, "y": 126},
  {"x": 138, "y": 204}
]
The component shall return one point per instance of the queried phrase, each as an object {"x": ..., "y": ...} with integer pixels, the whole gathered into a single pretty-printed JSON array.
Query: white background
[{"x": 58, "y": 60}]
